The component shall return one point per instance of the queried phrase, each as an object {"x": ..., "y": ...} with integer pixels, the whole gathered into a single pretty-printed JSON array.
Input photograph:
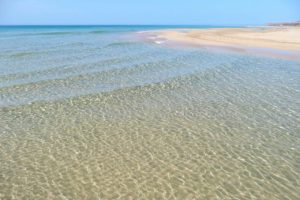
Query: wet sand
[{"x": 283, "y": 42}]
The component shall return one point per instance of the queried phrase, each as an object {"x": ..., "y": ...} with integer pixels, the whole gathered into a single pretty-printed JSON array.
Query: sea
[{"x": 94, "y": 112}]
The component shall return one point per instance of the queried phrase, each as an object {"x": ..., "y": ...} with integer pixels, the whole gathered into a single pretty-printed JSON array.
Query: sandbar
[{"x": 277, "y": 41}]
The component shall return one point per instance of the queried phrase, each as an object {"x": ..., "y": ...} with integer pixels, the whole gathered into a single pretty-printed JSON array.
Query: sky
[{"x": 143, "y": 12}]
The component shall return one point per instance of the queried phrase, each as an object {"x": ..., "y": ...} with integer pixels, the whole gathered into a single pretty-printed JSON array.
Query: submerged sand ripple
[
  {"x": 135, "y": 121},
  {"x": 162, "y": 141}
]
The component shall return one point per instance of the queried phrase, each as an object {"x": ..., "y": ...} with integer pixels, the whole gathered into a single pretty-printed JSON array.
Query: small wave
[
  {"x": 142, "y": 32},
  {"x": 47, "y": 33},
  {"x": 99, "y": 32},
  {"x": 116, "y": 44},
  {"x": 159, "y": 42},
  {"x": 56, "y": 33},
  {"x": 22, "y": 54}
]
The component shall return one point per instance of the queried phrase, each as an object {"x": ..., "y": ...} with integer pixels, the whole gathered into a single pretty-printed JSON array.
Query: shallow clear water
[{"x": 92, "y": 113}]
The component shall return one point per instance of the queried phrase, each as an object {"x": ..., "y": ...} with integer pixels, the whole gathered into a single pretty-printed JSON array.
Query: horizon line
[{"x": 129, "y": 24}]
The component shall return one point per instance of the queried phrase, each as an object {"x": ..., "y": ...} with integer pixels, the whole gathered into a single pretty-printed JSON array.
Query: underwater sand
[{"x": 89, "y": 113}]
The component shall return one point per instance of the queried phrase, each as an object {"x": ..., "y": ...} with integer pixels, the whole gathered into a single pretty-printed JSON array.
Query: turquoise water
[
  {"x": 77, "y": 59},
  {"x": 92, "y": 112}
]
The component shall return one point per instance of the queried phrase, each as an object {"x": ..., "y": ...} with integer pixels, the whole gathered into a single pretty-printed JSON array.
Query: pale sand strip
[{"x": 280, "y": 39}]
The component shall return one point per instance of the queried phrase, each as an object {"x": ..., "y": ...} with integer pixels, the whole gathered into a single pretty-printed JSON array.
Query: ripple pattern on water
[{"x": 134, "y": 121}]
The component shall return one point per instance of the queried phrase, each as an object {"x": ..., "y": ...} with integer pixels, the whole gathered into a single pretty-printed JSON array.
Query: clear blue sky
[{"x": 197, "y": 12}]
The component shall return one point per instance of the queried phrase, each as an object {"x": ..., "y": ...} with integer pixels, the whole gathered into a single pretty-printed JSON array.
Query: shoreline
[{"x": 278, "y": 42}]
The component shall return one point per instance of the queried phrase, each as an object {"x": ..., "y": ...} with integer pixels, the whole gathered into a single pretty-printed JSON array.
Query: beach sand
[{"x": 273, "y": 41}]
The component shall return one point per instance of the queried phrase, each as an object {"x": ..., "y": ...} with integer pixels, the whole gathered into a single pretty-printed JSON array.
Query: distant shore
[
  {"x": 285, "y": 24},
  {"x": 283, "y": 41}
]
